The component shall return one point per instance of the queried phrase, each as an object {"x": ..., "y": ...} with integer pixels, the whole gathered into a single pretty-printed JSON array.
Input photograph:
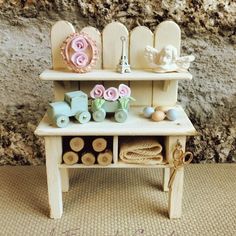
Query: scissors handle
[
  {"x": 189, "y": 159},
  {"x": 179, "y": 161},
  {"x": 178, "y": 154}
]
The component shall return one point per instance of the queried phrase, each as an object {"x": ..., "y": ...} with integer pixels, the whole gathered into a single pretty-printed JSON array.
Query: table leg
[
  {"x": 64, "y": 179},
  {"x": 176, "y": 194},
  {"x": 53, "y": 149},
  {"x": 176, "y": 189},
  {"x": 165, "y": 179}
]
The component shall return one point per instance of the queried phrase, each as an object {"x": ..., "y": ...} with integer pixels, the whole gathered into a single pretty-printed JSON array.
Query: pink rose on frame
[
  {"x": 79, "y": 59},
  {"x": 111, "y": 94},
  {"x": 124, "y": 90},
  {"x": 97, "y": 91},
  {"x": 79, "y": 43}
]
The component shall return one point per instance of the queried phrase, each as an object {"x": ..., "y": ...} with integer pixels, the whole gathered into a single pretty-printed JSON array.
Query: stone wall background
[{"x": 208, "y": 31}]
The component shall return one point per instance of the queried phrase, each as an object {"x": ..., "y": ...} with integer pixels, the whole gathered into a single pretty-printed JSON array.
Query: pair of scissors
[{"x": 180, "y": 160}]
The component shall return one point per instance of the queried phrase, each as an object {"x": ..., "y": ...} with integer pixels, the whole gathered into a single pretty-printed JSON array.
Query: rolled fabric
[{"x": 141, "y": 151}]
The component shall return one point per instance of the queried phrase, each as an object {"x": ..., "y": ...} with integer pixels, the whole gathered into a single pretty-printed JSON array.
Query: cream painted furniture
[{"x": 148, "y": 88}]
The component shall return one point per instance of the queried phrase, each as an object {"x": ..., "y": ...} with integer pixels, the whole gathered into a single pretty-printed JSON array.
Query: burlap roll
[{"x": 141, "y": 151}]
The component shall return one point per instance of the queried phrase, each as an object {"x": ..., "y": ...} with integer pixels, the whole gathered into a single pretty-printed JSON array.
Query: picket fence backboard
[{"x": 146, "y": 92}]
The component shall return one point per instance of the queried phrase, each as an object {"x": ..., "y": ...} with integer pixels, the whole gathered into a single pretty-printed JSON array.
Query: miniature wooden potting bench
[{"x": 148, "y": 88}]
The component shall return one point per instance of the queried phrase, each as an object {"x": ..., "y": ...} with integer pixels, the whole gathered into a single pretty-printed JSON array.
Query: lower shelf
[
  {"x": 126, "y": 151},
  {"x": 117, "y": 165}
]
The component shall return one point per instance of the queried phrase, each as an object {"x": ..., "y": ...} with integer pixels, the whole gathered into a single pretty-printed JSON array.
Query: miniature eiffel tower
[{"x": 123, "y": 66}]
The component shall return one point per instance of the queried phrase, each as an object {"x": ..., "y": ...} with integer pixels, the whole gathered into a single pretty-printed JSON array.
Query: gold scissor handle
[
  {"x": 178, "y": 154},
  {"x": 189, "y": 159},
  {"x": 179, "y": 157}
]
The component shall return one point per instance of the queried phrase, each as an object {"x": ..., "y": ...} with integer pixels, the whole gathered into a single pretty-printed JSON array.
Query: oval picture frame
[{"x": 80, "y": 52}]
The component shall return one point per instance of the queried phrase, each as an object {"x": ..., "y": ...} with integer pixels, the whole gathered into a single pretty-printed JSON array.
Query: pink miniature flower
[
  {"x": 79, "y": 44},
  {"x": 97, "y": 91},
  {"x": 79, "y": 59},
  {"x": 124, "y": 90},
  {"x": 111, "y": 94}
]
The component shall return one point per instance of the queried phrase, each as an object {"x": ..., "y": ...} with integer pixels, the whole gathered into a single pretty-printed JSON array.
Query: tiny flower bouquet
[{"x": 110, "y": 100}]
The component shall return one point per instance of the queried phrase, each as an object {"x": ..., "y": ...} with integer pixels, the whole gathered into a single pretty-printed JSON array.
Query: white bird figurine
[{"x": 167, "y": 60}]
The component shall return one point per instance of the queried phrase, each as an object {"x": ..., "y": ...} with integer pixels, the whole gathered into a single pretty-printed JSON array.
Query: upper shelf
[{"x": 98, "y": 75}]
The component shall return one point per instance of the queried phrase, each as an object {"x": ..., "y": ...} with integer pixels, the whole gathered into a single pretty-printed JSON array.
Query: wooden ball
[
  {"x": 158, "y": 109},
  {"x": 158, "y": 116},
  {"x": 147, "y": 111},
  {"x": 172, "y": 114},
  {"x": 161, "y": 108}
]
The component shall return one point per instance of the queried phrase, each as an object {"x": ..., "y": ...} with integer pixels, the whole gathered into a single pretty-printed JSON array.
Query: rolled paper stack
[
  {"x": 105, "y": 158},
  {"x": 99, "y": 144},
  {"x": 70, "y": 158},
  {"x": 77, "y": 144},
  {"x": 88, "y": 159}
]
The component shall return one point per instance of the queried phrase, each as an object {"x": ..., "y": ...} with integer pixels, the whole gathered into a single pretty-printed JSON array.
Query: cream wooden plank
[
  {"x": 59, "y": 32},
  {"x": 140, "y": 37},
  {"x": 62, "y": 87},
  {"x": 53, "y": 149},
  {"x": 115, "y": 84},
  {"x": 64, "y": 180},
  {"x": 115, "y": 149},
  {"x": 59, "y": 90},
  {"x": 165, "y": 179},
  {"x": 111, "y": 75},
  {"x": 87, "y": 86},
  {"x": 112, "y": 49},
  {"x": 176, "y": 190},
  {"x": 95, "y": 35},
  {"x": 142, "y": 92},
  {"x": 119, "y": 164},
  {"x": 167, "y": 32},
  {"x": 170, "y": 143},
  {"x": 112, "y": 44},
  {"x": 136, "y": 124},
  {"x": 165, "y": 93},
  {"x": 176, "y": 195}
]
